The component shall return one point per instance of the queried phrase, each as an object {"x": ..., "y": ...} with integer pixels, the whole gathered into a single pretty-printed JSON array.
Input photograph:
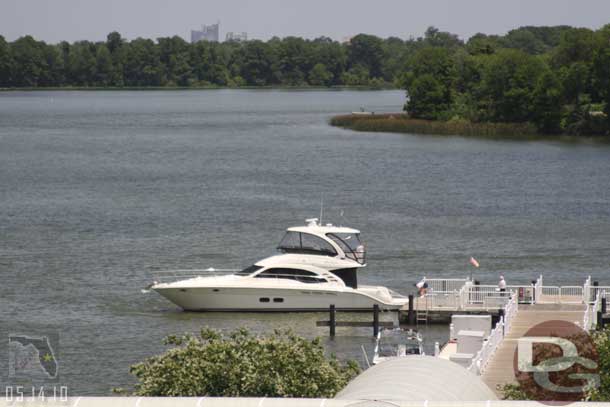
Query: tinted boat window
[
  {"x": 351, "y": 245},
  {"x": 297, "y": 242},
  {"x": 248, "y": 270},
  {"x": 303, "y": 276}
]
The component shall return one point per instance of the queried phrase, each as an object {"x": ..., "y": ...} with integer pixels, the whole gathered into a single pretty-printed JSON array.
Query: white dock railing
[
  {"x": 441, "y": 300},
  {"x": 587, "y": 290},
  {"x": 464, "y": 294},
  {"x": 590, "y": 318},
  {"x": 446, "y": 284},
  {"x": 482, "y": 358}
]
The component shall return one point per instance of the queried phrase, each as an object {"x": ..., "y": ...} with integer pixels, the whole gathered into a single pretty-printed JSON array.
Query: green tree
[
  {"x": 242, "y": 365},
  {"x": 29, "y": 62},
  {"x": 6, "y": 63},
  {"x": 356, "y": 76},
  {"x": 601, "y": 70},
  {"x": 509, "y": 78},
  {"x": 442, "y": 39},
  {"x": 525, "y": 40},
  {"x": 82, "y": 63},
  {"x": 142, "y": 65},
  {"x": 367, "y": 51},
  {"x": 576, "y": 45},
  {"x": 483, "y": 44},
  {"x": 258, "y": 63},
  {"x": 294, "y": 60},
  {"x": 332, "y": 55},
  {"x": 115, "y": 45},
  {"x": 174, "y": 54},
  {"x": 601, "y": 340},
  {"x": 576, "y": 80},
  {"x": 547, "y": 104},
  {"x": 103, "y": 65},
  {"x": 436, "y": 68},
  {"x": 320, "y": 76},
  {"x": 427, "y": 97}
]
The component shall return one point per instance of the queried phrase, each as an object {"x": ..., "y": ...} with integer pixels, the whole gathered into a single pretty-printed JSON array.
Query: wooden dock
[{"x": 499, "y": 370}]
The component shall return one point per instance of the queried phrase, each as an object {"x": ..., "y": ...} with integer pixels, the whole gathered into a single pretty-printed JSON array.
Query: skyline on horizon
[{"x": 73, "y": 20}]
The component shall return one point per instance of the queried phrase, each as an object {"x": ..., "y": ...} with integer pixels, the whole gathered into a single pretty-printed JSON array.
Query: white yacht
[{"x": 317, "y": 266}]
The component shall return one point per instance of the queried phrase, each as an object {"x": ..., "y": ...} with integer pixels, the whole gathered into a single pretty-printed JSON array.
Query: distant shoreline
[
  {"x": 402, "y": 123},
  {"x": 156, "y": 88}
]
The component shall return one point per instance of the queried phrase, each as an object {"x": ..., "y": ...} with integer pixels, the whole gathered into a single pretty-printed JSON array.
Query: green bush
[{"x": 242, "y": 365}]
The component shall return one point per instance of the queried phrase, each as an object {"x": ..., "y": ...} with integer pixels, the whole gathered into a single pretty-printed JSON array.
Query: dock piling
[
  {"x": 375, "y": 320},
  {"x": 332, "y": 321},
  {"x": 534, "y": 291},
  {"x": 411, "y": 314}
]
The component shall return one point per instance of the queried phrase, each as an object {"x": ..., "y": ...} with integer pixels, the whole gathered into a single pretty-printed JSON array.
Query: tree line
[
  {"x": 556, "y": 78},
  {"x": 364, "y": 60}
]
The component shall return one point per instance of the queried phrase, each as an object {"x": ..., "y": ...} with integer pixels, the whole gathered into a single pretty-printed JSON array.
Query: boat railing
[{"x": 168, "y": 276}]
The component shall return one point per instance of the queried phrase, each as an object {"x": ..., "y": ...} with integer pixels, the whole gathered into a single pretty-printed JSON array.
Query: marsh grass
[{"x": 402, "y": 123}]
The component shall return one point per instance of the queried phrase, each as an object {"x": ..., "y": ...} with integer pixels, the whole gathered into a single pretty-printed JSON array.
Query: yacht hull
[{"x": 234, "y": 299}]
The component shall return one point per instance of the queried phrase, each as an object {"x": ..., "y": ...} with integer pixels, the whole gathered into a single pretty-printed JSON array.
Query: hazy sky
[{"x": 56, "y": 20}]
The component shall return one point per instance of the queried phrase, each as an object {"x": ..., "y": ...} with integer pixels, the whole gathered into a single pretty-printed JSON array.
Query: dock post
[
  {"x": 332, "y": 322},
  {"x": 501, "y": 318},
  {"x": 534, "y": 291},
  {"x": 411, "y": 314},
  {"x": 596, "y": 291},
  {"x": 375, "y": 320}
]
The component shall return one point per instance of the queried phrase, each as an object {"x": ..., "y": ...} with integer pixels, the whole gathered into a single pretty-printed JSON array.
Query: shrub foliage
[{"x": 242, "y": 365}]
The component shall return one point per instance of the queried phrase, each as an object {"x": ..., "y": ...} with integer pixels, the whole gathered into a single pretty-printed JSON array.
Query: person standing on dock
[
  {"x": 422, "y": 287},
  {"x": 502, "y": 285}
]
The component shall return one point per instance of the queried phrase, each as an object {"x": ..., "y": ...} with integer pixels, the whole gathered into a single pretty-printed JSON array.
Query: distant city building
[
  {"x": 207, "y": 33},
  {"x": 233, "y": 36}
]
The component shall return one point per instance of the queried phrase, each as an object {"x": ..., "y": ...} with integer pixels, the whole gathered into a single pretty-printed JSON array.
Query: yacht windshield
[
  {"x": 297, "y": 242},
  {"x": 248, "y": 270},
  {"x": 351, "y": 245}
]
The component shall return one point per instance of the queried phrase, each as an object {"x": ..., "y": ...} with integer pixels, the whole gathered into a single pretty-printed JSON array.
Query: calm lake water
[{"x": 100, "y": 188}]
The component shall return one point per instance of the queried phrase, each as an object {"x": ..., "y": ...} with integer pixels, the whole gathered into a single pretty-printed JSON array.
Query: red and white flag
[{"x": 474, "y": 262}]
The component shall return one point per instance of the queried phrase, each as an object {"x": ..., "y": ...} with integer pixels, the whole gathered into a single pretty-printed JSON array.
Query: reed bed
[{"x": 402, "y": 123}]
